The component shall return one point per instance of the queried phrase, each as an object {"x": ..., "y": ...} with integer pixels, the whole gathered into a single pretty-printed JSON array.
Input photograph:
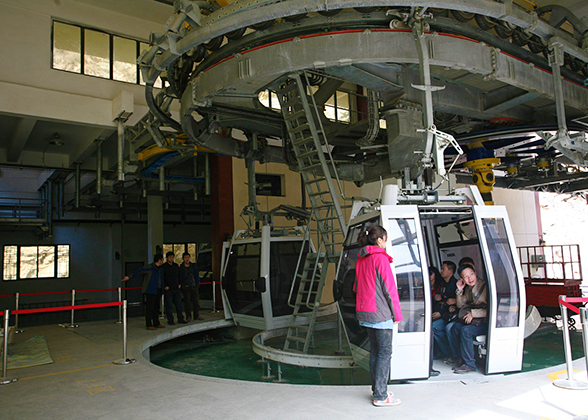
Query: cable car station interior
[{"x": 264, "y": 138}]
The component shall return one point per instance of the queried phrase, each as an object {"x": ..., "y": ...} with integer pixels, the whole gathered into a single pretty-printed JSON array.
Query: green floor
[{"x": 218, "y": 355}]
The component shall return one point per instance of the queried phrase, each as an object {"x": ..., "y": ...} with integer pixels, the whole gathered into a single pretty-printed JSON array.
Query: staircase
[{"x": 311, "y": 149}]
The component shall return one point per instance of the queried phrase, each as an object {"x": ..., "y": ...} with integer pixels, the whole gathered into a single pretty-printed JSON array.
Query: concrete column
[
  {"x": 154, "y": 224},
  {"x": 221, "y": 206}
]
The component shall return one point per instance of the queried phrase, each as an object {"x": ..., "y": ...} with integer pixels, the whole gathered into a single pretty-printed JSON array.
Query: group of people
[
  {"x": 178, "y": 284},
  {"x": 459, "y": 313}
]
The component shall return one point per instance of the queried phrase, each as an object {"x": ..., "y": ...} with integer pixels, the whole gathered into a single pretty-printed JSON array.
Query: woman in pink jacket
[{"x": 377, "y": 309}]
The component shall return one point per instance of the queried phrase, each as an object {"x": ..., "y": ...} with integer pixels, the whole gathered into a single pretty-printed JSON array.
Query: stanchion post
[
  {"x": 162, "y": 315},
  {"x": 120, "y": 307},
  {"x": 16, "y": 303},
  {"x": 125, "y": 360},
  {"x": 73, "y": 303},
  {"x": 584, "y": 321},
  {"x": 213, "y": 309},
  {"x": 5, "y": 380},
  {"x": 568, "y": 383}
]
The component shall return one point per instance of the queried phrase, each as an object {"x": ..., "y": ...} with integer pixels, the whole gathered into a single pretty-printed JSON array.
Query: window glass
[
  {"x": 96, "y": 53},
  {"x": 62, "y": 261},
  {"x": 67, "y": 47},
  {"x": 192, "y": 252},
  {"x": 240, "y": 276},
  {"x": 402, "y": 235},
  {"x": 283, "y": 261},
  {"x": 125, "y": 56},
  {"x": 179, "y": 250},
  {"x": 505, "y": 275},
  {"x": 343, "y": 106},
  {"x": 46, "y": 262},
  {"x": 28, "y": 262},
  {"x": 10, "y": 261}
]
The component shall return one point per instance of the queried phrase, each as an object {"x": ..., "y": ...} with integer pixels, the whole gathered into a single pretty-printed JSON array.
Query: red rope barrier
[
  {"x": 96, "y": 290},
  {"x": 63, "y": 308},
  {"x": 45, "y": 293},
  {"x": 8, "y": 295},
  {"x": 131, "y": 288},
  {"x": 569, "y": 300}
]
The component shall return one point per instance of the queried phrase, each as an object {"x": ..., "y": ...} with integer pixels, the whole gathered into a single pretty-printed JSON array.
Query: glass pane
[
  {"x": 275, "y": 103},
  {"x": 408, "y": 270},
  {"x": 96, "y": 53},
  {"x": 192, "y": 251},
  {"x": 239, "y": 280},
  {"x": 343, "y": 288},
  {"x": 62, "y": 261},
  {"x": 343, "y": 115},
  {"x": 330, "y": 112},
  {"x": 167, "y": 248},
  {"x": 125, "y": 55},
  {"x": 28, "y": 262},
  {"x": 459, "y": 231},
  {"x": 179, "y": 250},
  {"x": 67, "y": 47},
  {"x": 342, "y": 100},
  {"x": 46, "y": 262},
  {"x": 505, "y": 275},
  {"x": 283, "y": 261},
  {"x": 264, "y": 98},
  {"x": 10, "y": 258}
]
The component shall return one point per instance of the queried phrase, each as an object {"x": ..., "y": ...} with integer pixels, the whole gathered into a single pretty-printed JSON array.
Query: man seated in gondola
[{"x": 472, "y": 301}]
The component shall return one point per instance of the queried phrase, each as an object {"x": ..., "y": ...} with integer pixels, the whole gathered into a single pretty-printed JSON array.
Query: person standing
[
  {"x": 377, "y": 309},
  {"x": 190, "y": 281},
  {"x": 172, "y": 290},
  {"x": 152, "y": 288}
]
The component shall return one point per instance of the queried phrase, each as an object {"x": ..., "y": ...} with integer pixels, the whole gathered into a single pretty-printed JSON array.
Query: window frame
[
  {"x": 83, "y": 29},
  {"x": 55, "y": 262}
]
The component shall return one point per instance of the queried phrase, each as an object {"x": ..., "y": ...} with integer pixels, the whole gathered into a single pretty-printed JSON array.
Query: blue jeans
[
  {"x": 380, "y": 355},
  {"x": 175, "y": 297},
  {"x": 464, "y": 334},
  {"x": 452, "y": 332},
  {"x": 440, "y": 337}
]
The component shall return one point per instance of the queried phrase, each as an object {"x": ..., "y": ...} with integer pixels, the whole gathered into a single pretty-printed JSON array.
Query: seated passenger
[
  {"x": 472, "y": 300},
  {"x": 443, "y": 309}
]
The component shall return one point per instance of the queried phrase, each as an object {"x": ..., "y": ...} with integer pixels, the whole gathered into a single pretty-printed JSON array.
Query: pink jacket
[{"x": 376, "y": 294}]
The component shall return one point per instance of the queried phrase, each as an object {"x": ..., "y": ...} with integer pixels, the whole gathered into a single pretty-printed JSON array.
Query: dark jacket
[
  {"x": 171, "y": 276},
  {"x": 376, "y": 293},
  {"x": 183, "y": 277},
  {"x": 447, "y": 291},
  {"x": 152, "y": 278}
]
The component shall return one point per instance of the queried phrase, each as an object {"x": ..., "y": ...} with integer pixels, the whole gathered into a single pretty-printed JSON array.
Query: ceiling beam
[{"x": 19, "y": 138}]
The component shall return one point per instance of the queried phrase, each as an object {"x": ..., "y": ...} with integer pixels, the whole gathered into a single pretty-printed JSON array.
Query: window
[
  {"x": 96, "y": 53},
  {"x": 269, "y": 99},
  {"x": 337, "y": 107},
  {"x": 179, "y": 249},
  {"x": 269, "y": 185},
  {"x": 35, "y": 262}
]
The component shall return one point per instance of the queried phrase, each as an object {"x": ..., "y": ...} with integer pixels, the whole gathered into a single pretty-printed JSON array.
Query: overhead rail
[{"x": 6, "y": 314}]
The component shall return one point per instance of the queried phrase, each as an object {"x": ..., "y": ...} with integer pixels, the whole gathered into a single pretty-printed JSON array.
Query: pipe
[
  {"x": 78, "y": 181},
  {"x": 207, "y": 174},
  {"x": 99, "y": 168},
  {"x": 121, "y": 150},
  {"x": 161, "y": 178},
  {"x": 4, "y": 380}
]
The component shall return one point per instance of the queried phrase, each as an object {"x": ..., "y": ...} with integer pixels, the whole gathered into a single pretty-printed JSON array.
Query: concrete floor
[{"x": 82, "y": 383}]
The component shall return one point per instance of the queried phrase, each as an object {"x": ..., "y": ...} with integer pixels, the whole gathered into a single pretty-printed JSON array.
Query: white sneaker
[
  {"x": 390, "y": 395},
  {"x": 388, "y": 402}
]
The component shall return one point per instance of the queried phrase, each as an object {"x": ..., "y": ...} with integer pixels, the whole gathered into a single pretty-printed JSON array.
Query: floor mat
[{"x": 33, "y": 352}]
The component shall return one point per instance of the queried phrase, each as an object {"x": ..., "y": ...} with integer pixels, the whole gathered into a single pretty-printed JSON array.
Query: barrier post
[
  {"x": 125, "y": 360},
  {"x": 568, "y": 383},
  {"x": 162, "y": 315},
  {"x": 17, "y": 298},
  {"x": 5, "y": 380},
  {"x": 120, "y": 307},
  {"x": 213, "y": 309},
  {"x": 73, "y": 303},
  {"x": 584, "y": 321}
]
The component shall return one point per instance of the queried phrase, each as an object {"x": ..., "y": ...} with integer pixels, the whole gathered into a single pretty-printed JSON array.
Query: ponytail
[{"x": 370, "y": 237}]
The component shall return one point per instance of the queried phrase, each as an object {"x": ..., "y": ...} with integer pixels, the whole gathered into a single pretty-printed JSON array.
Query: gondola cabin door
[
  {"x": 506, "y": 314},
  {"x": 412, "y": 337}
]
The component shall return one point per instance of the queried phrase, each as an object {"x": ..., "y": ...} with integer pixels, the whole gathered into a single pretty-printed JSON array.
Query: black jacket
[{"x": 171, "y": 276}]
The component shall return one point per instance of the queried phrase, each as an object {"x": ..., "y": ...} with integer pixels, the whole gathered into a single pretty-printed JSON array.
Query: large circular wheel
[{"x": 462, "y": 16}]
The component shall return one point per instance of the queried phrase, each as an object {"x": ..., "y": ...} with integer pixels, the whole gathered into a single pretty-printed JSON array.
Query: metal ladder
[{"x": 310, "y": 146}]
